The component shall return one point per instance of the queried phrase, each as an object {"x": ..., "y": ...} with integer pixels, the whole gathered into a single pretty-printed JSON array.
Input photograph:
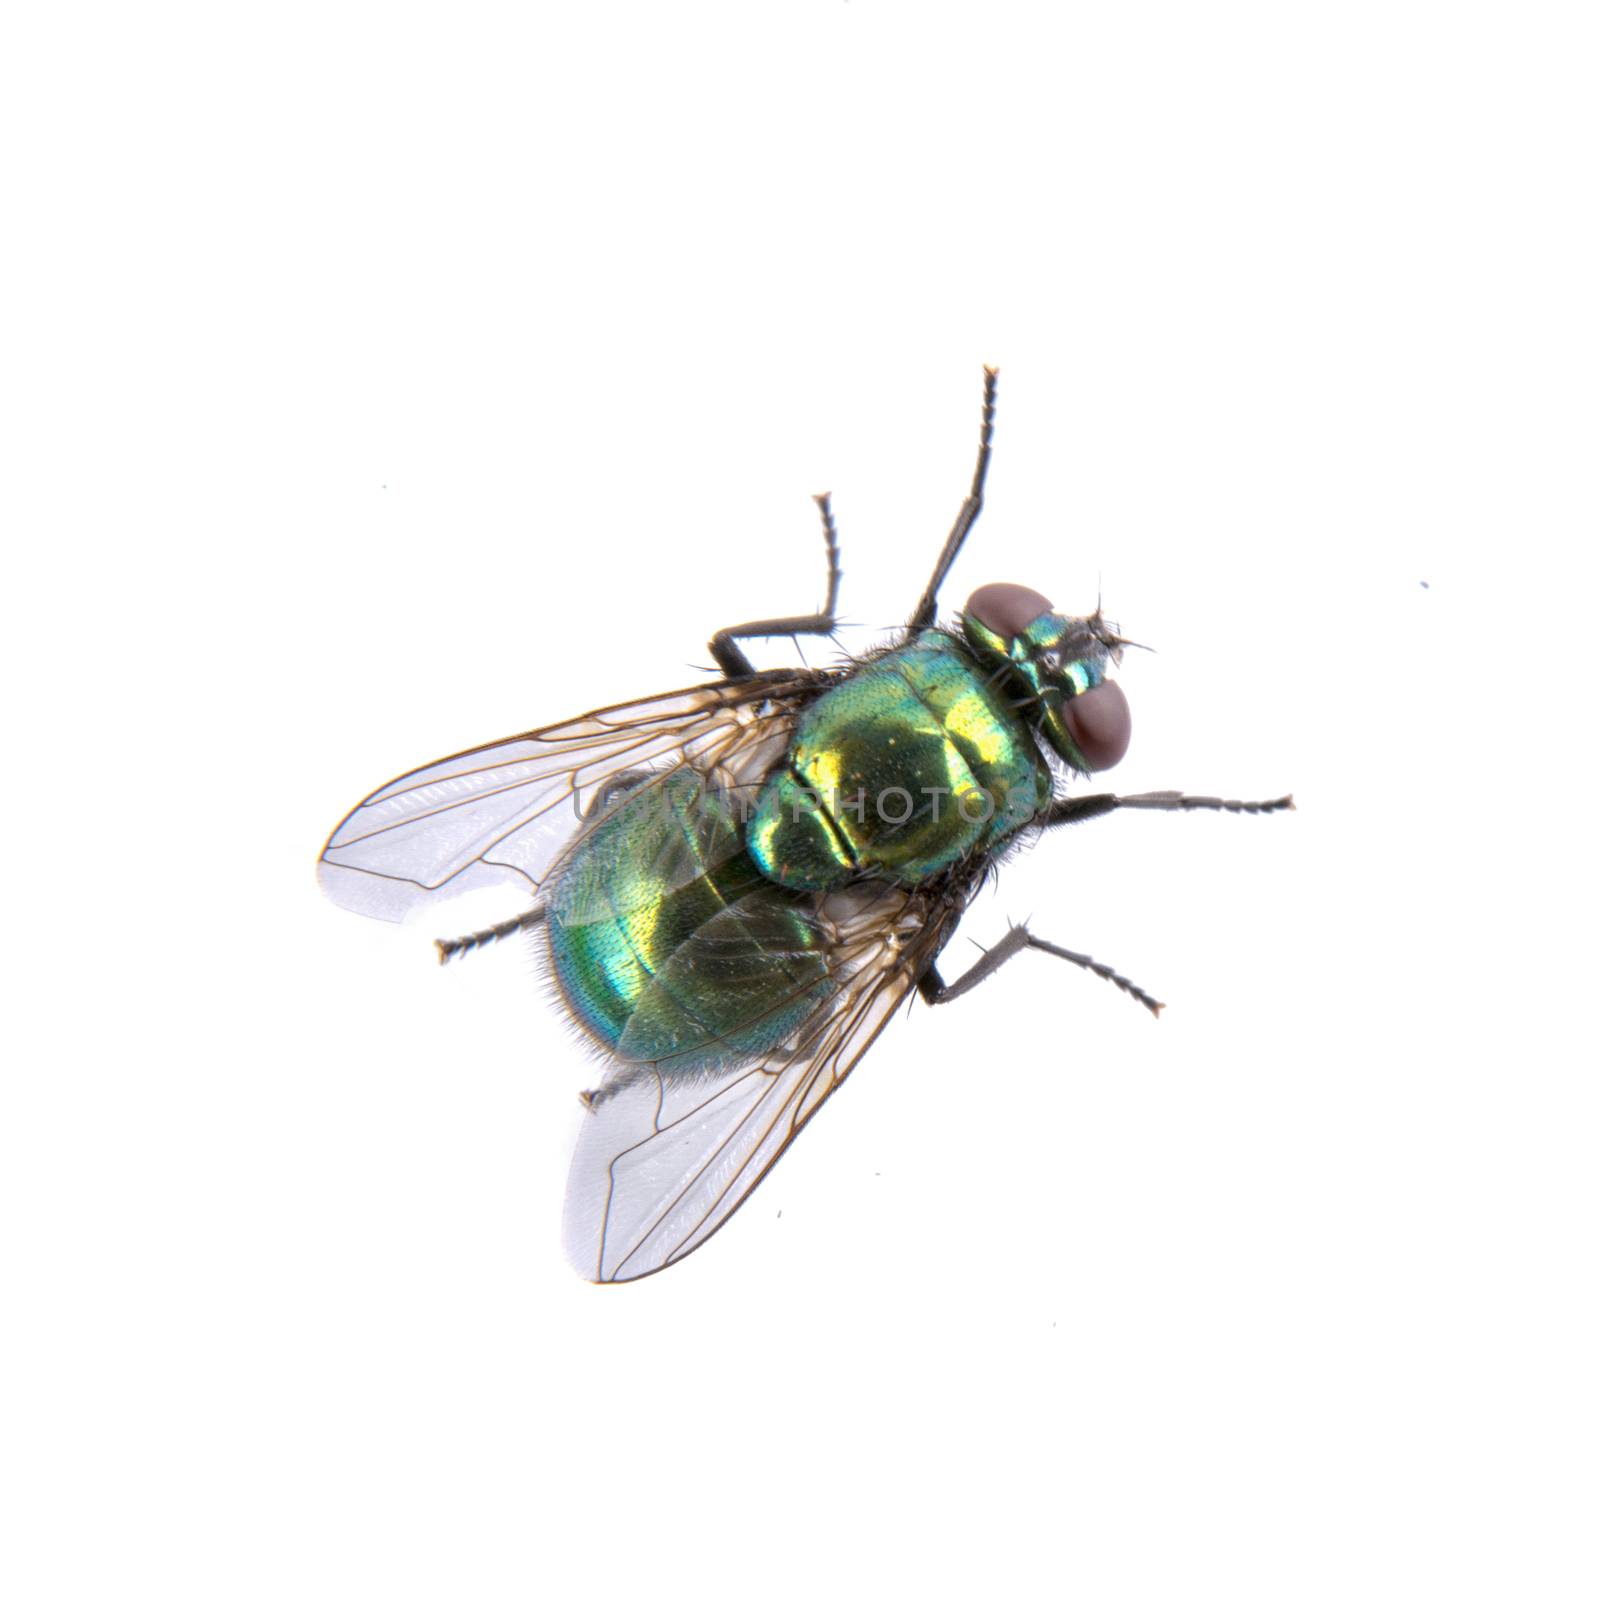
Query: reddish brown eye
[
  {"x": 1006, "y": 608},
  {"x": 1100, "y": 724}
]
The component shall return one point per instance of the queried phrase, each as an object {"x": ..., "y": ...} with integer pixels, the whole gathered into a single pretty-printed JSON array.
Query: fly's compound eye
[
  {"x": 1100, "y": 723},
  {"x": 1005, "y": 609}
]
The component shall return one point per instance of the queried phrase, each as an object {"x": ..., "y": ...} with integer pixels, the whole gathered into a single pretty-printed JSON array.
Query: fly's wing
[
  {"x": 503, "y": 812},
  {"x": 664, "y": 1158}
]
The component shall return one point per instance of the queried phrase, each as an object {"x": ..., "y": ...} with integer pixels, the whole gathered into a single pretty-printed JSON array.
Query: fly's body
[
  {"x": 735, "y": 886},
  {"x": 684, "y": 932}
]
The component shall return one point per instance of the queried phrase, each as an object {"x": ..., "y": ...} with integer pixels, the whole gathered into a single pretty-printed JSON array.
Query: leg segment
[
  {"x": 936, "y": 992},
  {"x": 476, "y": 941},
  {"x": 726, "y": 652},
  {"x": 1081, "y": 809},
  {"x": 928, "y": 605}
]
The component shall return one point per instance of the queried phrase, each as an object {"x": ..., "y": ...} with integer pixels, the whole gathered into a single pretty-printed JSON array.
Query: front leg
[
  {"x": 726, "y": 652},
  {"x": 936, "y": 992},
  {"x": 928, "y": 606}
]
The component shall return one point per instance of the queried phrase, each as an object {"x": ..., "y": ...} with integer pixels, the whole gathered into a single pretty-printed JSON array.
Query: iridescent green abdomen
[
  {"x": 915, "y": 761},
  {"x": 668, "y": 944}
]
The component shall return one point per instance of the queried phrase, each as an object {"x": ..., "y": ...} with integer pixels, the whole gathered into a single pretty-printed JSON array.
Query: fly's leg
[
  {"x": 724, "y": 648},
  {"x": 936, "y": 992},
  {"x": 1099, "y": 805},
  {"x": 465, "y": 945},
  {"x": 928, "y": 605}
]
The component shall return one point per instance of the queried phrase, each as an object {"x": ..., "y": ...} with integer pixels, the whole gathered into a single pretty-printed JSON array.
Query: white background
[{"x": 380, "y": 380}]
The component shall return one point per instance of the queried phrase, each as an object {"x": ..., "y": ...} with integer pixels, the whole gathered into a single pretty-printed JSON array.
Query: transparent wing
[
  {"x": 502, "y": 812},
  {"x": 665, "y": 1159}
]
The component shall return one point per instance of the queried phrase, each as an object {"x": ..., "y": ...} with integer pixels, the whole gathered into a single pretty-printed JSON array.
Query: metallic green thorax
[
  {"x": 1052, "y": 659},
  {"x": 667, "y": 942},
  {"x": 914, "y": 762}
]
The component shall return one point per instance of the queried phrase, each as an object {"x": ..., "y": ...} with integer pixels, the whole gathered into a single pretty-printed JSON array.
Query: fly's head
[{"x": 1058, "y": 666}]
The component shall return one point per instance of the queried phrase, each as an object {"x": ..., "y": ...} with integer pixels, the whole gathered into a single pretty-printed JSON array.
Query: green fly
[{"x": 735, "y": 885}]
